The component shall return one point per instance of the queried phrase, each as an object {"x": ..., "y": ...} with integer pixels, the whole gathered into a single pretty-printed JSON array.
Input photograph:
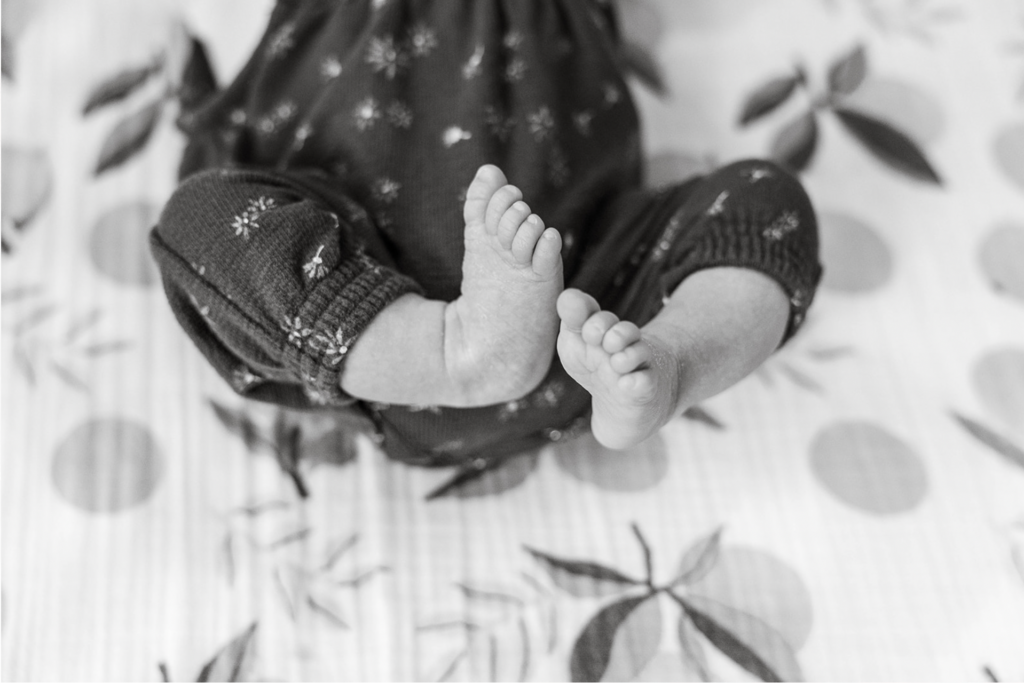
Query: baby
[{"x": 354, "y": 241}]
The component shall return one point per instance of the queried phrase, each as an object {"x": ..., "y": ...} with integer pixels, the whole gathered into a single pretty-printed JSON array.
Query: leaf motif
[
  {"x": 338, "y": 551},
  {"x": 583, "y": 579},
  {"x": 24, "y": 364},
  {"x": 768, "y": 97},
  {"x": 165, "y": 674},
  {"x": 801, "y": 380},
  {"x": 699, "y": 558},
  {"x": 238, "y": 423},
  {"x": 830, "y": 353},
  {"x": 232, "y": 662},
  {"x": 619, "y": 641},
  {"x": 327, "y": 606},
  {"x": 76, "y": 328},
  {"x": 888, "y": 145},
  {"x": 69, "y": 377},
  {"x": 103, "y": 348},
  {"x": 15, "y": 294},
  {"x": 996, "y": 442},
  {"x": 27, "y": 186},
  {"x": 848, "y": 72},
  {"x": 197, "y": 79},
  {"x": 34, "y": 319},
  {"x": 120, "y": 86},
  {"x": 637, "y": 60},
  {"x": 691, "y": 648},
  {"x": 128, "y": 137},
  {"x": 698, "y": 414},
  {"x": 336, "y": 447},
  {"x": 496, "y": 476},
  {"x": 795, "y": 144},
  {"x": 6, "y": 56},
  {"x": 744, "y": 638}
]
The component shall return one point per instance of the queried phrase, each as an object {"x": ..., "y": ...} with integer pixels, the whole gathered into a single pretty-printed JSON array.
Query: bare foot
[
  {"x": 632, "y": 378},
  {"x": 511, "y": 278}
]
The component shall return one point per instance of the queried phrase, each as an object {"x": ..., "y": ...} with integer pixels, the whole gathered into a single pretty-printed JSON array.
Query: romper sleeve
[{"x": 273, "y": 276}]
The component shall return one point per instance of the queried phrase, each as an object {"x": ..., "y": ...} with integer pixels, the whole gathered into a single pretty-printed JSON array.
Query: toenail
[{"x": 533, "y": 218}]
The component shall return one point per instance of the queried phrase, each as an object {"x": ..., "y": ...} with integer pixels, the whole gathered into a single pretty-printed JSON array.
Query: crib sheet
[{"x": 852, "y": 511}]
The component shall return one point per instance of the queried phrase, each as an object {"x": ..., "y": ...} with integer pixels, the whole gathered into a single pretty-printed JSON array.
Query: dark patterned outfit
[{"x": 336, "y": 166}]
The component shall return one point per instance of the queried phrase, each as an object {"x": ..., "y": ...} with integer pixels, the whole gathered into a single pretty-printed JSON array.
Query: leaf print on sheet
[
  {"x": 782, "y": 226},
  {"x": 485, "y": 477},
  {"x": 233, "y": 662},
  {"x": 888, "y": 145},
  {"x": 744, "y": 638},
  {"x": 995, "y": 441},
  {"x": 770, "y": 96},
  {"x": 129, "y": 137},
  {"x": 583, "y": 579},
  {"x": 619, "y": 641},
  {"x": 120, "y": 85}
]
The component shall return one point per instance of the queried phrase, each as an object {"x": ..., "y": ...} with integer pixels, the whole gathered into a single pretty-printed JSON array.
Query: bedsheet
[{"x": 854, "y": 510}]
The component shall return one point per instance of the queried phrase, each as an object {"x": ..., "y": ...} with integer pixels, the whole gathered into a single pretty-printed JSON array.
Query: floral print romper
[{"x": 328, "y": 179}]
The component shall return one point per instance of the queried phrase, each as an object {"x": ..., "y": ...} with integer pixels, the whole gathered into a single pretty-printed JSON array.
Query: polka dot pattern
[
  {"x": 119, "y": 244},
  {"x": 1001, "y": 257},
  {"x": 107, "y": 465},
  {"x": 761, "y": 584},
  {"x": 866, "y": 467},
  {"x": 1009, "y": 151},
  {"x": 636, "y": 469},
  {"x": 998, "y": 378},
  {"x": 856, "y": 258}
]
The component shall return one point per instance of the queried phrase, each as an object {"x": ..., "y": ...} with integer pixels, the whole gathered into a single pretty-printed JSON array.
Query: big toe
[
  {"x": 575, "y": 307},
  {"x": 488, "y": 180}
]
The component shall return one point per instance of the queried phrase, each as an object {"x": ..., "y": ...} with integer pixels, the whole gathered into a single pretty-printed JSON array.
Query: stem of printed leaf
[{"x": 648, "y": 565}]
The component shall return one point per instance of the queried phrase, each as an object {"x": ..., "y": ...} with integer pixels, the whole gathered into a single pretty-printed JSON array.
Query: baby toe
[
  {"x": 574, "y": 309},
  {"x": 488, "y": 180},
  {"x": 499, "y": 203},
  {"x": 526, "y": 239},
  {"x": 597, "y": 325},
  {"x": 547, "y": 257},
  {"x": 631, "y": 358},
  {"x": 621, "y": 335},
  {"x": 510, "y": 223}
]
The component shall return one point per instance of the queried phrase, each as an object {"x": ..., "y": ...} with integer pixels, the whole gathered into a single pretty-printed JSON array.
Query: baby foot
[
  {"x": 511, "y": 277},
  {"x": 632, "y": 379}
]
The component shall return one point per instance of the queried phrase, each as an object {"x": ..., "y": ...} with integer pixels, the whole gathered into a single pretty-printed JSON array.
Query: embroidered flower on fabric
[
  {"x": 386, "y": 57},
  {"x": 316, "y": 396},
  {"x": 246, "y": 221},
  {"x": 315, "y": 268},
  {"x": 366, "y": 113},
  {"x": 558, "y": 167},
  {"x": 718, "y": 205},
  {"x": 201, "y": 270},
  {"x": 386, "y": 190},
  {"x": 452, "y": 446},
  {"x": 581, "y": 122},
  {"x": 203, "y": 310},
  {"x": 399, "y": 115},
  {"x": 242, "y": 378},
  {"x": 513, "y": 40},
  {"x": 282, "y": 41},
  {"x": 500, "y": 126},
  {"x": 541, "y": 124},
  {"x": 335, "y": 348},
  {"x": 782, "y": 226},
  {"x": 423, "y": 408},
  {"x": 296, "y": 331},
  {"x": 453, "y": 135},
  {"x": 377, "y": 4},
  {"x": 799, "y": 298},
  {"x": 238, "y": 117},
  {"x": 281, "y": 115},
  {"x": 472, "y": 68},
  {"x": 667, "y": 238},
  {"x": 515, "y": 71},
  {"x": 302, "y": 133},
  {"x": 612, "y": 94},
  {"x": 330, "y": 68},
  {"x": 549, "y": 395},
  {"x": 511, "y": 409},
  {"x": 756, "y": 174},
  {"x": 422, "y": 40}
]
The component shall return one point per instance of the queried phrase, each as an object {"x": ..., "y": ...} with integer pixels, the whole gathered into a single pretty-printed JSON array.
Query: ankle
[{"x": 480, "y": 368}]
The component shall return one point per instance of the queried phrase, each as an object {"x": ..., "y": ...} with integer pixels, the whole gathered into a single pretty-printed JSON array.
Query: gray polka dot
[
  {"x": 1002, "y": 258},
  {"x": 868, "y": 468},
  {"x": 670, "y": 168},
  {"x": 636, "y": 469},
  {"x": 107, "y": 465},
  {"x": 28, "y": 178},
  {"x": 998, "y": 378},
  {"x": 855, "y": 257},
  {"x": 905, "y": 105},
  {"x": 1009, "y": 151},
  {"x": 757, "y": 582},
  {"x": 119, "y": 244}
]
